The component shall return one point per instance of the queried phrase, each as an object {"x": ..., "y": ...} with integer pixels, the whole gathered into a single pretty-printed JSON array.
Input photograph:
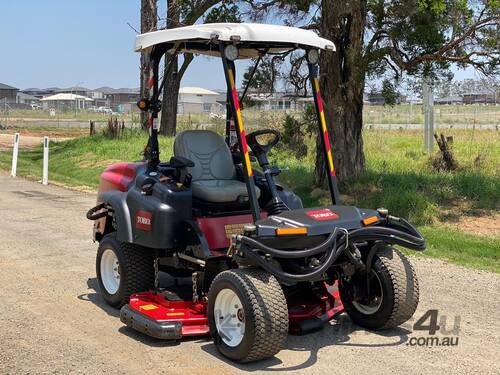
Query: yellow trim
[
  {"x": 291, "y": 231},
  {"x": 330, "y": 159},
  {"x": 240, "y": 121},
  {"x": 231, "y": 79},
  {"x": 316, "y": 85},
  {"x": 249, "y": 166},
  {"x": 323, "y": 121},
  {"x": 370, "y": 220}
]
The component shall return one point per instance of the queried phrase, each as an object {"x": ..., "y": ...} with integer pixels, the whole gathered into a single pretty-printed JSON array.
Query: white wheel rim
[
  {"x": 110, "y": 271},
  {"x": 372, "y": 308},
  {"x": 229, "y": 317}
]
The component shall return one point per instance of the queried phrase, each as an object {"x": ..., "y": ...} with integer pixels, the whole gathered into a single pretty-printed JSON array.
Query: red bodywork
[
  {"x": 193, "y": 316},
  {"x": 118, "y": 176}
]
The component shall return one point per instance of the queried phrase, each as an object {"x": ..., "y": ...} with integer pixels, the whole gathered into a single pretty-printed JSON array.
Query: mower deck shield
[{"x": 153, "y": 314}]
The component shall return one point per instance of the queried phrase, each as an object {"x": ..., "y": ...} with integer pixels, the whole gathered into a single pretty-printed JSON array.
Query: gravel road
[{"x": 52, "y": 319}]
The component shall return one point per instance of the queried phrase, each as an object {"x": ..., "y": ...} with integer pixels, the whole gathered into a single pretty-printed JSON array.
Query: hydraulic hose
[
  {"x": 397, "y": 234},
  {"x": 290, "y": 254},
  {"x": 333, "y": 253}
]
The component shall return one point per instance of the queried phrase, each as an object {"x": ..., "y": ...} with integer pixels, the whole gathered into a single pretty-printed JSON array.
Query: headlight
[
  {"x": 313, "y": 56},
  {"x": 231, "y": 52}
]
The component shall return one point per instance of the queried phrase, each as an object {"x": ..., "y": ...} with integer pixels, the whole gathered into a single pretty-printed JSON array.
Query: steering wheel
[{"x": 260, "y": 150}]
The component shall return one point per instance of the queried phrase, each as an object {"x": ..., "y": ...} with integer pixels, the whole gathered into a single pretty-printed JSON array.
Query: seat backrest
[{"x": 209, "y": 152}]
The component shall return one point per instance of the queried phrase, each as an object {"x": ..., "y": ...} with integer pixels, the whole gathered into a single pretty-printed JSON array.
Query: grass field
[{"x": 399, "y": 177}]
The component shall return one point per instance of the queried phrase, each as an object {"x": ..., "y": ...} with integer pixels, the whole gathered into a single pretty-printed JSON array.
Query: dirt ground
[
  {"x": 52, "y": 319},
  {"x": 30, "y": 140}
]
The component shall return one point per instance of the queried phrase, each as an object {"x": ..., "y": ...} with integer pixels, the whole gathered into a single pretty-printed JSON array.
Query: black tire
[
  {"x": 399, "y": 295},
  {"x": 136, "y": 269},
  {"x": 265, "y": 314}
]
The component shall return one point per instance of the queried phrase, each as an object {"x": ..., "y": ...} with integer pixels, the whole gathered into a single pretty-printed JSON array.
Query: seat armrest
[{"x": 179, "y": 162}]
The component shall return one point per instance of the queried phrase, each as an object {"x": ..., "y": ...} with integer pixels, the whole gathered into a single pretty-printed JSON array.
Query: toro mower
[{"x": 247, "y": 263}]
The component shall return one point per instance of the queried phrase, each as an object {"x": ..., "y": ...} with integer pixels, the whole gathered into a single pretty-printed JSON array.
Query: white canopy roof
[
  {"x": 197, "y": 91},
  {"x": 267, "y": 35},
  {"x": 65, "y": 96}
]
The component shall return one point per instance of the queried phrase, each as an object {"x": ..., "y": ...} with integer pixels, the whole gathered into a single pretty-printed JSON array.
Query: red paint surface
[
  {"x": 144, "y": 220},
  {"x": 322, "y": 215},
  {"x": 118, "y": 176},
  {"x": 320, "y": 101},
  {"x": 193, "y": 316},
  {"x": 214, "y": 229}
]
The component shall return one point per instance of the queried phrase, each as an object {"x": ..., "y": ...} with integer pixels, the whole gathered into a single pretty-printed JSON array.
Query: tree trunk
[
  {"x": 171, "y": 94},
  {"x": 148, "y": 23},
  {"x": 173, "y": 80},
  {"x": 342, "y": 82}
]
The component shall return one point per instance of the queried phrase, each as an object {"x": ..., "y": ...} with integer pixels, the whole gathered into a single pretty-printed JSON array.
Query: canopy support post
[
  {"x": 318, "y": 103},
  {"x": 230, "y": 74}
]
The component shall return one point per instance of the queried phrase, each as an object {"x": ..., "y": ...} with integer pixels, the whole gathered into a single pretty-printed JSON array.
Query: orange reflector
[
  {"x": 290, "y": 231},
  {"x": 370, "y": 220},
  {"x": 148, "y": 307}
]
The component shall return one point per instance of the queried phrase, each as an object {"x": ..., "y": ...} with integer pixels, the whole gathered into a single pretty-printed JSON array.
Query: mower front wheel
[
  {"x": 392, "y": 296},
  {"x": 248, "y": 315},
  {"x": 123, "y": 269}
]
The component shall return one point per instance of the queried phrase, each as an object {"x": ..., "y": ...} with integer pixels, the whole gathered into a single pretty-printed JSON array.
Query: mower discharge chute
[{"x": 207, "y": 244}]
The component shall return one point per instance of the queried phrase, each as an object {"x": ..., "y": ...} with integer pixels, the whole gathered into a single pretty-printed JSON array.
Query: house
[
  {"x": 8, "y": 93},
  {"x": 23, "y": 98},
  {"x": 78, "y": 90},
  {"x": 480, "y": 97},
  {"x": 65, "y": 101},
  {"x": 40, "y": 93},
  {"x": 449, "y": 100},
  {"x": 281, "y": 101},
  {"x": 118, "y": 97},
  {"x": 195, "y": 100}
]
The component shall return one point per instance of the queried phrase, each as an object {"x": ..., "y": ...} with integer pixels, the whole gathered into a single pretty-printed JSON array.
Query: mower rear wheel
[
  {"x": 123, "y": 269},
  {"x": 248, "y": 315},
  {"x": 393, "y": 295}
]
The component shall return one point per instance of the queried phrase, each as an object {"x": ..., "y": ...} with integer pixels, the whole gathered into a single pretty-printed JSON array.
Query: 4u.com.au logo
[{"x": 440, "y": 332}]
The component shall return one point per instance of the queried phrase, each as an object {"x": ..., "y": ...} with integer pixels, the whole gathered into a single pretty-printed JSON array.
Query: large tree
[
  {"x": 380, "y": 37},
  {"x": 149, "y": 21},
  {"x": 185, "y": 13}
]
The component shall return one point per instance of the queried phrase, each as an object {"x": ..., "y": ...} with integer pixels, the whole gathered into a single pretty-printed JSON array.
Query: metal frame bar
[
  {"x": 230, "y": 74},
  {"x": 318, "y": 102}
]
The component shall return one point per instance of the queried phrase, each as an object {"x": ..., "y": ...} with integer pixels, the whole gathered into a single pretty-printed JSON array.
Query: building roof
[
  {"x": 197, "y": 91},
  {"x": 449, "y": 99},
  {"x": 65, "y": 96},
  {"x": 73, "y": 89},
  {"x": 3, "y": 86},
  {"x": 25, "y": 96},
  {"x": 275, "y": 37}
]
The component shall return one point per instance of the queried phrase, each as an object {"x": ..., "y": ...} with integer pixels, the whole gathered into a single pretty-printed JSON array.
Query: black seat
[{"x": 214, "y": 174}]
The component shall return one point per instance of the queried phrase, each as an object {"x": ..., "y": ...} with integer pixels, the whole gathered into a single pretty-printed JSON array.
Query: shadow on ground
[{"x": 337, "y": 333}]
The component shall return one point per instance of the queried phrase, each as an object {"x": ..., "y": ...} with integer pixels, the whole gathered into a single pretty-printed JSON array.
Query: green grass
[{"x": 398, "y": 177}]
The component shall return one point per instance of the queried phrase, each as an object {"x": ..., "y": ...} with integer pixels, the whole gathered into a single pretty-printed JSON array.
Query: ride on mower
[{"x": 257, "y": 263}]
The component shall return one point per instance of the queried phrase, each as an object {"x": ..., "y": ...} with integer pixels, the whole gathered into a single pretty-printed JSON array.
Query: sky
[{"x": 87, "y": 43}]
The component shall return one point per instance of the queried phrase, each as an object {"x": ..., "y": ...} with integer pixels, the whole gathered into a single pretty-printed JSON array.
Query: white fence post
[
  {"x": 15, "y": 151},
  {"x": 45, "y": 178}
]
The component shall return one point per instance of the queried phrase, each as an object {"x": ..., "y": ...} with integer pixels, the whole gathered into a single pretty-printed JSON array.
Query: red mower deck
[{"x": 154, "y": 315}]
